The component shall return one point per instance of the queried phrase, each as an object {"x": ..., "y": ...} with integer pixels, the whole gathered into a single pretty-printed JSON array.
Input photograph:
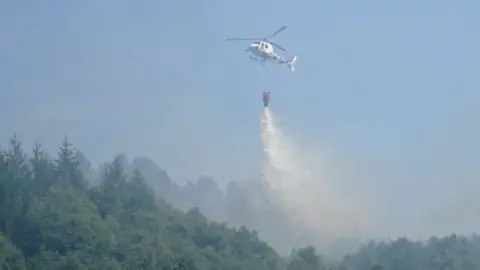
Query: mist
[
  {"x": 374, "y": 135},
  {"x": 303, "y": 186}
]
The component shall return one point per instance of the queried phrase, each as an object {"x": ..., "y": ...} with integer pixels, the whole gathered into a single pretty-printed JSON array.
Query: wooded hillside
[{"x": 53, "y": 217}]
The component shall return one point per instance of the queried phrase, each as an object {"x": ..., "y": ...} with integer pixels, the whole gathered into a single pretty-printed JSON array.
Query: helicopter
[{"x": 262, "y": 50}]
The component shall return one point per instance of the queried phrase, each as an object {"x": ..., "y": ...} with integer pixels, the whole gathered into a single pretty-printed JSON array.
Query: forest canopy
[{"x": 55, "y": 214}]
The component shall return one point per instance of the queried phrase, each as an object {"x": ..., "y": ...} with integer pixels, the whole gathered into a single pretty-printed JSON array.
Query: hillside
[
  {"x": 53, "y": 216},
  {"x": 52, "y": 219}
]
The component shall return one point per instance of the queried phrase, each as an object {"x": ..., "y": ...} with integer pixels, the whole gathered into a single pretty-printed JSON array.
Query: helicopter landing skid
[{"x": 262, "y": 62}]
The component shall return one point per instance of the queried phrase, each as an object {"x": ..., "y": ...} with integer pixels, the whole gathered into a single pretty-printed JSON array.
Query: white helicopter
[{"x": 262, "y": 50}]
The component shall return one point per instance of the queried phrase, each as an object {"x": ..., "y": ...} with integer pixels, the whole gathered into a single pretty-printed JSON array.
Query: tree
[
  {"x": 67, "y": 166},
  {"x": 306, "y": 258},
  {"x": 377, "y": 267},
  {"x": 10, "y": 256},
  {"x": 50, "y": 219}
]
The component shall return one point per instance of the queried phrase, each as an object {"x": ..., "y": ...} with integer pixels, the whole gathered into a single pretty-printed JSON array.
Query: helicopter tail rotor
[{"x": 291, "y": 63}]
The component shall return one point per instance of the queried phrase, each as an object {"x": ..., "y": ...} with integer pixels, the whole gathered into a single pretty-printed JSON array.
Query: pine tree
[{"x": 67, "y": 171}]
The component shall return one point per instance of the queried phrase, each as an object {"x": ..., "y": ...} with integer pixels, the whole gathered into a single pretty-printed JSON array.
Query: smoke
[{"x": 303, "y": 190}]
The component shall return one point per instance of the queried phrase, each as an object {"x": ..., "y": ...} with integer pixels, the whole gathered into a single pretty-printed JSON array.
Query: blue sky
[{"x": 392, "y": 86}]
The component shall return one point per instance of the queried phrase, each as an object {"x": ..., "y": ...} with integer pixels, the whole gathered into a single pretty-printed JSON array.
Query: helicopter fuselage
[{"x": 261, "y": 52}]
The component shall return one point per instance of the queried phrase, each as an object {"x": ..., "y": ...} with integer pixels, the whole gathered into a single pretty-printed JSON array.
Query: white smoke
[{"x": 301, "y": 185}]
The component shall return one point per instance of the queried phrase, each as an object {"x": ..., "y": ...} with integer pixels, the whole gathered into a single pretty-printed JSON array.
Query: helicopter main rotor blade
[
  {"x": 231, "y": 39},
  {"x": 278, "y": 31},
  {"x": 278, "y": 46}
]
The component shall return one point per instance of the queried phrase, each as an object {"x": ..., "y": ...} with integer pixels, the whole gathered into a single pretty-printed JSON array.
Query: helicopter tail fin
[{"x": 291, "y": 63}]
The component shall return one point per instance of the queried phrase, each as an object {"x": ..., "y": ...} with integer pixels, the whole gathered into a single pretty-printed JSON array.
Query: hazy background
[{"x": 387, "y": 92}]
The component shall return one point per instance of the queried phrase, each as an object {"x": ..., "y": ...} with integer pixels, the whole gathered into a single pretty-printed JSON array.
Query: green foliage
[
  {"x": 451, "y": 252},
  {"x": 10, "y": 256},
  {"x": 306, "y": 259},
  {"x": 50, "y": 218},
  {"x": 377, "y": 267}
]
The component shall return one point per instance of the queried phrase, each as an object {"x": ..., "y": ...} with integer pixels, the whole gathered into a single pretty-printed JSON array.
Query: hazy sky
[{"x": 392, "y": 87}]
